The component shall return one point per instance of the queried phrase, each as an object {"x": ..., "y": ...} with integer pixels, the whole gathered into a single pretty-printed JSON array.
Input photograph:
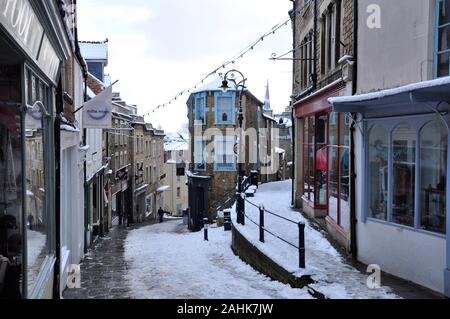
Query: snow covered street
[
  {"x": 335, "y": 277},
  {"x": 166, "y": 261}
]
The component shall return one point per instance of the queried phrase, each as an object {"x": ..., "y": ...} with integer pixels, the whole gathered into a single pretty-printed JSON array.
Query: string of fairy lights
[{"x": 223, "y": 66}]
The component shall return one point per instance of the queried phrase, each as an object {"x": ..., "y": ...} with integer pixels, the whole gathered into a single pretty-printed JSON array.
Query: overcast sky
[{"x": 158, "y": 48}]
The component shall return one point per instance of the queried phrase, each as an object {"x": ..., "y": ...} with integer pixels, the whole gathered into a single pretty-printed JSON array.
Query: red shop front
[{"x": 325, "y": 159}]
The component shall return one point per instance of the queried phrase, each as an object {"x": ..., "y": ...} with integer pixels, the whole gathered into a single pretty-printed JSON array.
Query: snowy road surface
[{"x": 165, "y": 261}]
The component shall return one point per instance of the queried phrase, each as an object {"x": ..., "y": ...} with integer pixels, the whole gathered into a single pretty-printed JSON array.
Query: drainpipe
[
  {"x": 293, "y": 15},
  {"x": 315, "y": 30},
  {"x": 353, "y": 216}
]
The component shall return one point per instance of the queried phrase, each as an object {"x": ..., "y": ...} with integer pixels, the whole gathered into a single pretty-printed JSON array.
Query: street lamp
[{"x": 240, "y": 203}]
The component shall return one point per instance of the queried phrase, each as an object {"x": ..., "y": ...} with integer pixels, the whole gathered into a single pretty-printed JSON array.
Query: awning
[{"x": 418, "y": 98}]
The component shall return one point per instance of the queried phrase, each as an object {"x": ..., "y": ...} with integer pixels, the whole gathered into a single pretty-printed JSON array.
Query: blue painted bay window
[
  {"x": 225, "y": 108},
  {"x": 225, "y": 158},
  {"x": 200, "y": 107}
]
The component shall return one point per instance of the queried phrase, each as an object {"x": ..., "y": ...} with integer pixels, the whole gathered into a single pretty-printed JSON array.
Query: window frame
[
  {"x": 218, "y": 117},
  {"x": 49, "y": 185},
  {"x": 437, "y": 27},
  {"x": 224, "y": 139},
  {"x": 199, "y": 139},
  {"x": 200, "y": 97},
  {"x": 417, "y": 122}
]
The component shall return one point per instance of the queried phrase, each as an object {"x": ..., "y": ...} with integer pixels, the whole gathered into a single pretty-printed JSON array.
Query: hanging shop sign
[
  {"x": 97, "y": 113},
  {"x": 21, "y": 22}
]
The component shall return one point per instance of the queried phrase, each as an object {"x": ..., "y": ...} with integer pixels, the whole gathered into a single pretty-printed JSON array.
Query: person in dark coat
[{"x": 161, "y": 215}]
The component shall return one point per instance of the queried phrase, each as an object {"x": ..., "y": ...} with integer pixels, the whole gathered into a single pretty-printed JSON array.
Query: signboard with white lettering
[{"x": 19, "y": 19}]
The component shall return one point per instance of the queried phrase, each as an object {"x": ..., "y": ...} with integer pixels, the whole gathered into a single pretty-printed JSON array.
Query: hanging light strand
[{"x": 232, "y": 61}]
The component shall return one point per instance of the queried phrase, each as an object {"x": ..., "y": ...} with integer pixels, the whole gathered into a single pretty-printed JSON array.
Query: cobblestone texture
[{"x": 104, "y": 268}]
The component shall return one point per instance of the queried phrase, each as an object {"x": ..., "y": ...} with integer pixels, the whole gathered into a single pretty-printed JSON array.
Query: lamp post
[{"x": 240, "y": 203}]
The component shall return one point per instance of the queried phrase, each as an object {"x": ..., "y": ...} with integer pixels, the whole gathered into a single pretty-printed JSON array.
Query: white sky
[{"x": 158, "y": 48}]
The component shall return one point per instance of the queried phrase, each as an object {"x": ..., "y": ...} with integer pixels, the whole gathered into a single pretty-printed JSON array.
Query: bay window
[
  {"x": 200, "y": 108},
  {"x": 225, "y": 158},
  {"x": 433, "y": 170},
  {"x": 200, "y": 153},
  {"x": 404, "y": 174},
  {"x": 407, "y": 173},
  {"x": 225, "y": 108}
]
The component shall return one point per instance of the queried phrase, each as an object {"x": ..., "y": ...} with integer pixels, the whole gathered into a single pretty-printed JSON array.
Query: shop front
[
  {"x": 30, "y": 62},
  {"x": 402, "y": 162},
  {"x": 323, "y": 186}
]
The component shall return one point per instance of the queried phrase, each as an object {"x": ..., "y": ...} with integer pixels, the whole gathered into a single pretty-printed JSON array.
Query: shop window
[
  {"x": 378, "y": 172},
  {"x": 225, "y": 108},
  {"x": 443, "y": 38},
  {"x": 433, "y": 174},
  {"x": 333, "y": 183},
  {"x": 306, "y": 186},
  {"x": 11, "y": 204},
  {"x": 321, "y": 160},
  {"x": 339, "y": 170},
  {"x": 404, "y": 174}
]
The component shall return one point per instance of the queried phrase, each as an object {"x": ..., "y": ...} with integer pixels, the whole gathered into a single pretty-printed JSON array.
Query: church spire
[{"x": 267, "y": 99}]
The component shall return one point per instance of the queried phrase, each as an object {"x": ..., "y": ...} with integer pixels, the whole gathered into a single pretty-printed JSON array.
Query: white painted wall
[
  {"x": 401, "y": 51},
  {"x": 407, "y": 254},
  {"x": 72, "y": 190}
]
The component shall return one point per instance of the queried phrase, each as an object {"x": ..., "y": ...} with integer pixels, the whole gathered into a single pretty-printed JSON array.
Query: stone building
[
  {"x": 146, "y": 158},
  {"x": 117, "y": 140},
  {"x": 177, "y": 157},
  {"x": 213, "y": 120},
  {"x": 323, "y": 62}
]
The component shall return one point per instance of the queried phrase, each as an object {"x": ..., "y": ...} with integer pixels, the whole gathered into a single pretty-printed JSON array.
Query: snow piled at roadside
[
  {"x": 166, "y": 261},
  {"x": 335, "y": 278}
]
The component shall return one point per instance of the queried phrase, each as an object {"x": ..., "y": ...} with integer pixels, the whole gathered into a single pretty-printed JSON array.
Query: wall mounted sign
[{"x": 20, "y": 20}]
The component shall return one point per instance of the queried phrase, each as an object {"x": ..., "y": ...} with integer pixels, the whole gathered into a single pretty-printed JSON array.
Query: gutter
[{"x": 353, "y": 217}]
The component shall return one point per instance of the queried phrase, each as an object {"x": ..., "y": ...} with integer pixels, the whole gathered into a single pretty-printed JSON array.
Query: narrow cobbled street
[
  {"x": 103, "y": 270},
  {"x": 158, "y": 262}
]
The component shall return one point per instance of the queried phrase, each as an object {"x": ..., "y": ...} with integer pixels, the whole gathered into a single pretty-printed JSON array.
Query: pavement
[{"x": 104, "y": 268}]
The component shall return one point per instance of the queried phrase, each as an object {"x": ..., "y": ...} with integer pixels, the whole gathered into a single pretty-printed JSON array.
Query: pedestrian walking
[{"x": 161, "y": 215}]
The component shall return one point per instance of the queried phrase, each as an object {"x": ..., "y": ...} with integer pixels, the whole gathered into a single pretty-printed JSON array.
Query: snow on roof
[
  {"x": 94, "y": 50},
  {"x": 176, "y": 142},
  {"x": 390, "y": 92},
  {"x": 215, "y": 86}
]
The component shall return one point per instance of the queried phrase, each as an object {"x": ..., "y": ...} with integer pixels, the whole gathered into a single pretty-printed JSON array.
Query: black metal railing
[{"x": 263, "y": 229}]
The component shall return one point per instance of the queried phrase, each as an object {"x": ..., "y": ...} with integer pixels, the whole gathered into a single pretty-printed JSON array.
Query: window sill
[{"x": 402, "y": 227}]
